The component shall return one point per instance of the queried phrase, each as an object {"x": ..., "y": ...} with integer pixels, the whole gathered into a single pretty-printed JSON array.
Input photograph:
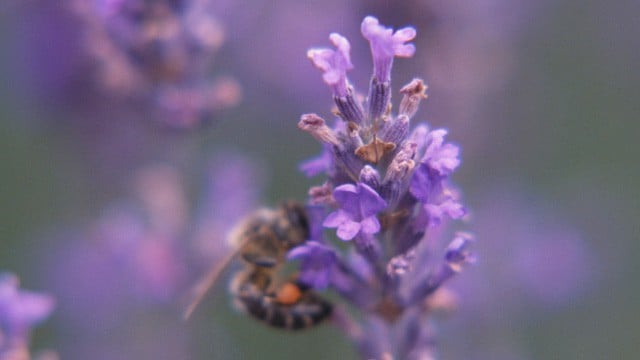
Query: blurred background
[{"x": 127, "y": 149}]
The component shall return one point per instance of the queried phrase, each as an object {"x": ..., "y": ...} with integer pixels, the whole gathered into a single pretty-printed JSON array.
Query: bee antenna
[{"x": 203, "y": 286}]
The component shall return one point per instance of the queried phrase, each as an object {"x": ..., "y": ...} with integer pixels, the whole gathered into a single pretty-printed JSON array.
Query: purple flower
[
  {"x": 19, "y": 312},
  {"x": 359, "y": 205},
  {"x": 385, "y": 45},
  {"x": 317, "y": 263},
  {"x": 318, "y": 165},
  {"x": 429, "y": 181},
  {"x": 427, "y": 185},
  {"x": 440, "y": 156},
  {"x": 334, "y": 63},
  {"x": 451, "y": 207},
  {"x": 440, "y": 159}
]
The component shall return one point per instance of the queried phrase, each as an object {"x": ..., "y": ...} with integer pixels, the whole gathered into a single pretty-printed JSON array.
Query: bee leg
[{"x": 260, "y": 260}]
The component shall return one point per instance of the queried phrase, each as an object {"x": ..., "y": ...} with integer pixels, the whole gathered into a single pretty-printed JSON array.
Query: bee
[{"x": 263, "y": 240}]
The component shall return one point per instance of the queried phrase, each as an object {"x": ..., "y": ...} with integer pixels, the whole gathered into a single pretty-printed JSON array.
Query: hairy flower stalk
[{"x": 388, "y": 194}]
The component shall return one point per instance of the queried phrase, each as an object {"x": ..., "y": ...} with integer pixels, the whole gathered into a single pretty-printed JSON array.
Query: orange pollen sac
[{"x": 288, "y": 294}]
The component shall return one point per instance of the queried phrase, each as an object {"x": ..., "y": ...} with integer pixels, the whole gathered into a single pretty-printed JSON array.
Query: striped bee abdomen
[{"x": 305, "y": 312}]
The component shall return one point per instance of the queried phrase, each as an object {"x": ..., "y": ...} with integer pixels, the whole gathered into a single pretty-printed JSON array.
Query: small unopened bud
[
  {"x": 349, "y": 108},
  {"x": 413, "y": 93},
  {"x": 370, "y": 176},
  {"x": 353, "y": 132},
  {"x": 316, "y": 126},
  {"x": 402, "y": 163},
  {"x": 401, "y": 264},
  {"x": 321, "y": 195},
  {"x": 379, "y": 98},
  {"x": 398, "y": 172},
  {"x": 395, "y": 130}
]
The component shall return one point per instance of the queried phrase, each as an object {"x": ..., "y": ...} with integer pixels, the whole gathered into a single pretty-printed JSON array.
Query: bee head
[{"x": 296, "y": 215}]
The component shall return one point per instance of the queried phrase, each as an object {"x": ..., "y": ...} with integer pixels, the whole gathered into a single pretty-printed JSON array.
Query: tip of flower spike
[
  {"x": 386, "y": 41},
  {"x": 333, "y": 63}
]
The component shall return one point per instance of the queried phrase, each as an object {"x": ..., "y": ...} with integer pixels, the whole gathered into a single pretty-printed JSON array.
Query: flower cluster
[
  {"x": 388, "y": 192},
  {"x": 160, "y": 53},
  {"x": 19, "y": 312}
]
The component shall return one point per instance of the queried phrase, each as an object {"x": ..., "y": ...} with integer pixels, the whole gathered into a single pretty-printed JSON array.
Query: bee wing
[{"x": 206, "y": 283}]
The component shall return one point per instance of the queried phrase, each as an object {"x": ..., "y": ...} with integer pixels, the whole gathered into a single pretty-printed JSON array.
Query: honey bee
[{"x": 263, "y": 240}]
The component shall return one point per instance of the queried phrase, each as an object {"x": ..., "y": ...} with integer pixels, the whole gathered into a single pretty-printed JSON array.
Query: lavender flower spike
[
  {"x": 359, "y": 205},
  {"x": 387, "y": 188},
  {"x": 19, "y": 311}
]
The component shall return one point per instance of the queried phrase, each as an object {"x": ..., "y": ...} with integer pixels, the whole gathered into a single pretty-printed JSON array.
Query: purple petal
[
  {"x": 370, "y": 202},
  {"x": 370, "y": 225},
  {"x": 317, "y": 263},
  {"x": 348, "y": 230},
  {"x": 450, "y": 207},
  {"x": 400, "y": 38},
  {"x": 317, "y": 165},
  {"x": 299, "y": 252},
  {"x": 440, "y": 156},
  {"x": 446, "y": 159},
  {"x": 335, "y": 219},
  {"x": 345, "y": 193},
  {"x": 421, "y": 185},
  {"x": 348, "y": 197},
  {"x": 316, "y": 278}
]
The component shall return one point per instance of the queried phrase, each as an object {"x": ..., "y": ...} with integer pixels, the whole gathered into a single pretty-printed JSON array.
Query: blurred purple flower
[
  {"x": 317, "y": 165},
  {"x": 157, "y": 53},
  {"x": 142, "y": 237},
  {"x": 359, "y": 205},
  {"x": 232, "y": 189},
  {"x": 130, "y": 267},
  {"x": 147, "y": 59},
  {"x": 19, "y": 311},
  {"x": 440, "y": 156},
  {"x": 317, "y": 263},
  {"x": 531, "y": 265}
]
